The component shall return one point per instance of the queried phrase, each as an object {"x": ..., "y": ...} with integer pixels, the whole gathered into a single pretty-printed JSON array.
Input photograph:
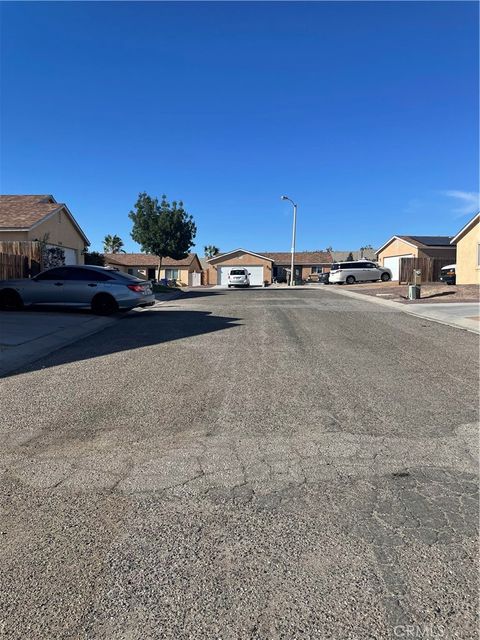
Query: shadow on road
[
  {"x": 135, "y": 331},
  {"x": 200, "y": 293}
]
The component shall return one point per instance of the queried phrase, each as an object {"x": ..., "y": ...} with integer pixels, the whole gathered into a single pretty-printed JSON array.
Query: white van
[
  {"x": 238, "y": 277},
  {"x": 358, "y": 271}
]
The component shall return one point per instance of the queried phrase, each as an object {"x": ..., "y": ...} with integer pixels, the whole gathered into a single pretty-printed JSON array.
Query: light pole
[{"x": 293, "y": 236}]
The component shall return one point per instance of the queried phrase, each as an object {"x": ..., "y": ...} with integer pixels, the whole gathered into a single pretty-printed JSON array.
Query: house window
[
  {"x": 130, "y": 272},
  {"x": 317, "y": 269},
  {"x": 171, "y": 274}
]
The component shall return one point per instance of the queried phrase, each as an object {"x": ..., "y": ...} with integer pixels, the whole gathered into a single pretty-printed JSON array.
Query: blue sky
[{"x": 364, "y": 113}]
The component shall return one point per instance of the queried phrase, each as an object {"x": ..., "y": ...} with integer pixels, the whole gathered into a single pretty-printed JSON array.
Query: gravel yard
[{"x": 431, "y": 292}]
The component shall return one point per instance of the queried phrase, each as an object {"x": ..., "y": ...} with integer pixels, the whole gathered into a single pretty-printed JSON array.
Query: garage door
[
  {"x": 256, "y": 274},
  {"x": 393, "y": 263},
  {"x": 70, "y": 254}
]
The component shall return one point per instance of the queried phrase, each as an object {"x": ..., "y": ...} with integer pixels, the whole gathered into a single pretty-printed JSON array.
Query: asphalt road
[{"x": 244, "y": 464}]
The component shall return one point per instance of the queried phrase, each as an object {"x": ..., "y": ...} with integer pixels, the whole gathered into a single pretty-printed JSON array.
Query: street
[{"x": 244, "y": 464}]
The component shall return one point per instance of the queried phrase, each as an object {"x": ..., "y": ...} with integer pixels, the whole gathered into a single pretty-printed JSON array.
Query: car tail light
[{"x": 138, "y": 288}]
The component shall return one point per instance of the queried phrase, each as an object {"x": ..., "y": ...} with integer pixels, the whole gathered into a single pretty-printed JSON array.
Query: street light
[{"x": 293, "y": 235}]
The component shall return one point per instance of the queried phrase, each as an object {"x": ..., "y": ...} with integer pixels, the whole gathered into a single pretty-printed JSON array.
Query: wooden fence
[
  {"x": 430, "y": 268},
  {"x": 19, "y": 259}
]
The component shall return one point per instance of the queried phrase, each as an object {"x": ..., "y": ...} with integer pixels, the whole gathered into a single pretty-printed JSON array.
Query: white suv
[
  {"x": 358, "y": 271},
  {"x": 238, "y": 277}
]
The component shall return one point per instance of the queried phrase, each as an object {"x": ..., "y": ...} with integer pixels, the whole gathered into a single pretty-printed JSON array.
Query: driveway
[{"x": 244, "y": 464}]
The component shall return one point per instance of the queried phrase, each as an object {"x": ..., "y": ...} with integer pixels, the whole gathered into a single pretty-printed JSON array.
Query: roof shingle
[
  {"x": 146, "y": 260},
  {"x": 22, "y": 212},
  {"x": 301, "y": 257}
]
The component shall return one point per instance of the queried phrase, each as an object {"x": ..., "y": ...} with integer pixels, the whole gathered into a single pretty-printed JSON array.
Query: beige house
[
  {"x": 260, "y": 267},
  {"x": 41, "y": 218},
  {"x": 468, "y": 252},
  {"x": 390, "y": 254},
  {"x": 186, "y": 272},
  {"x": 266, "y": 267}
]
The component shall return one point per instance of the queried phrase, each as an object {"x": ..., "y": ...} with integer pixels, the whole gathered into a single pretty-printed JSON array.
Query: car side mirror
[{"x": 249, "y": 274}]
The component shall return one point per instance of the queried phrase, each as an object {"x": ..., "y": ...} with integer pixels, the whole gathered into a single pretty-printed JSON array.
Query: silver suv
[
  {"x": 101, "y": 289},
  {"x": 238, "y": 277},
  {"x": 358, "y": 271}
]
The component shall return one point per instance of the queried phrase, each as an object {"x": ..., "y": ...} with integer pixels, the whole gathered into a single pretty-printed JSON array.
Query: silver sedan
[{"x": 101, "y": 289}]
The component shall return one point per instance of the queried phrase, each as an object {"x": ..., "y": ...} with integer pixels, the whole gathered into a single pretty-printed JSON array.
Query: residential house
[
  {"x": 306, "y": 263},
  {"x": 41, "y": 218},
  {"x": 467, "y": 242},
  {"x": 267, "y": 266},
  {"x": 186, "y": 272},
  {"x": 390, "y": 254}
]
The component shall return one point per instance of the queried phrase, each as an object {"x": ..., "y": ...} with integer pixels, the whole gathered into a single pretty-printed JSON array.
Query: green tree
[
  {"x": 211, "y": 250},
  {"x": 163, "y": 229},
  {"x": 94, "y": 258},
  {"x": 112, "y": 244}
]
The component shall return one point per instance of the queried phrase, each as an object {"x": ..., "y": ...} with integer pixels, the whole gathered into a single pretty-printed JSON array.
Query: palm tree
[
  {"x": 211, "y": 250},
  {"x": 112, "y": 244}
]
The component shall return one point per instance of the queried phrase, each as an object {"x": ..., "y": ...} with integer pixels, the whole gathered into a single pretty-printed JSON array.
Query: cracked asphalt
[{"x": 257, "y": 464}]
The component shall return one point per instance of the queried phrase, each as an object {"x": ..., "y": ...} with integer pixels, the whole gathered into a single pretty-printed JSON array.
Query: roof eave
[
  {"x": 252, "y": 253},
  {"x": 466, "y": 228}
]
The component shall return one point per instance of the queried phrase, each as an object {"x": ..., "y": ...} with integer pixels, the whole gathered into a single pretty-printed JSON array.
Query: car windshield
[{"x": 237, "y": 272}]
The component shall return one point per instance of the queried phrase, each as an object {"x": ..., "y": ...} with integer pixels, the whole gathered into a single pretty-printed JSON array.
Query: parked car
[
  {"x": 358, "y": 271},
  {"x": 238, "y": 277},
  {"x": 448, "y": 274},
  {"x": 324, "y": 278},
  {"x": 102, "y": 289}
]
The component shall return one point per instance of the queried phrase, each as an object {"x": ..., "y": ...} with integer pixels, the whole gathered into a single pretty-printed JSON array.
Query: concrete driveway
[{"x": 255, "y": 464}]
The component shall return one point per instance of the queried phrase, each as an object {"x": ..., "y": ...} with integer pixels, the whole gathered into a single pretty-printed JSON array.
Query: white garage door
[
  {"x": 70, "y": 256},
  {"x": 256, "y": 275},
  {"x": 393, "y": 263}
]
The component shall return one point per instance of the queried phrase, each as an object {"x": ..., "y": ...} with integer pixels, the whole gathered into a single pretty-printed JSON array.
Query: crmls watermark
[{"x": 419, "y": 631}]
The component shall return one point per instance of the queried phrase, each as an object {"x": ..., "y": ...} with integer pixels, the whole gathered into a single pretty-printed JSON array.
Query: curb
[{"x": 405, "y": 309}]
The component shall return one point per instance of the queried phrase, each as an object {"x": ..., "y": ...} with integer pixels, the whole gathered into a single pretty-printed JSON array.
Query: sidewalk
[
  {"x": 27, "y": 336},
  {"x": 461, "y": 315}
]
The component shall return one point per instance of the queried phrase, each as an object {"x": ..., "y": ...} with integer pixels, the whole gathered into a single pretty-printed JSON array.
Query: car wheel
[
  {"x": 350, "y": 279},
  {"x": 10, "y": 300},
  {"x": 104, "y": 305},
  {"x": 229, "y": 286},
  {"x": 385, "y": 277}
]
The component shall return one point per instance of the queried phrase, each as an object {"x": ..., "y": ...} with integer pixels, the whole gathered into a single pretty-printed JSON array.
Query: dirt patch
[{"x": 432, "y": 292}]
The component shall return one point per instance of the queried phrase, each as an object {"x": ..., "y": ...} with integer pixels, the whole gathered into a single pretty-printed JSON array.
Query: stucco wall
[
  {"x": 183, "y": 272},
  {"x": 14, "y": 235},
  {"x": 239, "y": 260},
  {"x": 468, "y": 271},
  {"x": 60, "y": 232},
  {"x": 397, "y": 248}
]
